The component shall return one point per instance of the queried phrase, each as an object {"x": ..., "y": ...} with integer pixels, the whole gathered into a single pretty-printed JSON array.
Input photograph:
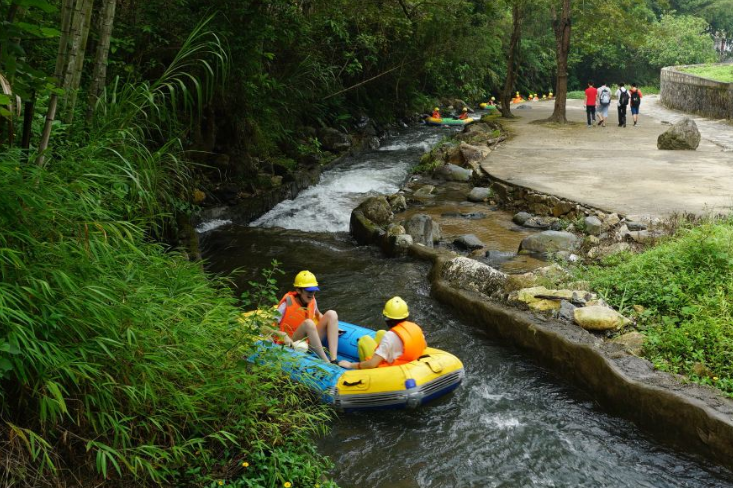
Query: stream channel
[{"x": 511, "y": 423}]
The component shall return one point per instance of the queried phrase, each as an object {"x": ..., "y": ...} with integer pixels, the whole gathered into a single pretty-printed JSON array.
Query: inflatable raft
[
  {"x": 409, "y": 385},
  {"x": 448, "y": 121}
]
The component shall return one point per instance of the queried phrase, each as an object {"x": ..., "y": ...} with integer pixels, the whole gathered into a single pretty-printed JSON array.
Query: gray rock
[
  {"x": 521, "y": 217},
  {"x": 682, "y": 135},
  {"x": 451, "y": 172},
  {"x": 469, "y": 241},
  {"x": 397, "y": 202},
  {"x": 425, "y": 191},
  {"x": 471, "y": 153},
  {"x": 550, "y": 241},
  {"x": 496, "y": 258},
  {"x": 473, "y": 215},
  {"x": 567, "y": 311},
  {"x": 632, "y": 226},
  {"x": 539, "y": 222},
  {"x": 377, "y": 209},
  {"x": 334, "y": 140},
  {"x": 469, "y": 274},
  {"x": 479, "y": 194},
  {"x": 593, "y": 225},
  {"x": 420, "y": 227}
]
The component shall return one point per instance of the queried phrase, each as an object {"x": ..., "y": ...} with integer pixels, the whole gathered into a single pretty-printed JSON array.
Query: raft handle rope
[{"x": 354, "y": 383}]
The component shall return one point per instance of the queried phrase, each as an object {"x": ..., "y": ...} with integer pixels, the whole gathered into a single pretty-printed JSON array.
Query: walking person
[
  {"x": 604, "y": 101},
  {"x": 622, "y": 94},
  {"x": 591, "y": 93},
  {"x": 635, "y": 101}
]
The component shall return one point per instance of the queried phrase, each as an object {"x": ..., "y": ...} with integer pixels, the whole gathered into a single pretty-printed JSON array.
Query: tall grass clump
[
  {"x": 685, "y": 286},
  {"x": 121, "y": 362}
]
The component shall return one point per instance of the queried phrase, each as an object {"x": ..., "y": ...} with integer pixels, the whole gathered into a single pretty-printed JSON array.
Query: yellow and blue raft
[{"x": 410, "y": 385}]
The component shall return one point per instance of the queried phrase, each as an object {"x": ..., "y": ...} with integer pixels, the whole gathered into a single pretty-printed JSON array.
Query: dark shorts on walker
[{"x": 634, "y": 110}]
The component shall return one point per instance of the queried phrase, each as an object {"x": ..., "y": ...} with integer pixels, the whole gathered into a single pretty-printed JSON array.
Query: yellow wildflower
[
  {"x": 715, "y": 378},
  {"x": 287, "y": 484},
  {"x": 221, "y": 482},
  {"x": 245, "y": 464}
]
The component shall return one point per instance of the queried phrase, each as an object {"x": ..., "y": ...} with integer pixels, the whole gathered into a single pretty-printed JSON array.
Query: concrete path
[{"x": 617, "y": 169}]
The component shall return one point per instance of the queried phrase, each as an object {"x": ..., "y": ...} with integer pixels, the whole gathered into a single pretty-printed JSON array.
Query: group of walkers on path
[{"x": 598, "y": 100}]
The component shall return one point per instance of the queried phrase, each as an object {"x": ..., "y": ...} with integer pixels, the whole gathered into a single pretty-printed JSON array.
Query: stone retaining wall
[{"x": 695, "y": 94}]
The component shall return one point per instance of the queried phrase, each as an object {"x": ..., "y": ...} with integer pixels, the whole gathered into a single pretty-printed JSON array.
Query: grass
[
  {"x": 717, "y": 72},
  {"x": 680, "y": 293},
  {"x": 120, "y": 360}
]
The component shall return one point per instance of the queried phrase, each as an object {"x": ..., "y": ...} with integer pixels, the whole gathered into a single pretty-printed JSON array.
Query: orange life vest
[
  {"x": 413, "y": 343},
  {"x": 436, "y": 115},
  {"x": 295, "y": 314}
]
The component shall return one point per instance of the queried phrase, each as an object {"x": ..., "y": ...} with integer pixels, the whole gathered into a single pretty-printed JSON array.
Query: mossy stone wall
[{"x": 692, "y": 93}]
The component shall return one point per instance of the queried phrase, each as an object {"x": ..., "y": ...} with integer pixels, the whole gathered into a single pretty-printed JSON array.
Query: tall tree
[
  {"x": 99, "y": 76},
  {"x": 512, "y": 64},
  {"x": 561, "y": 27}
]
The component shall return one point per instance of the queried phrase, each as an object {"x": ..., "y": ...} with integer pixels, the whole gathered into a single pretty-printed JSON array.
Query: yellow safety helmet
[
  {"x": 396, "y": 308},
  {"x": 437, "y": 109},
  {"x": 493, "y": 98},
  {"x": 306, "y": 279},
  {"x": 465, "y": 109}
]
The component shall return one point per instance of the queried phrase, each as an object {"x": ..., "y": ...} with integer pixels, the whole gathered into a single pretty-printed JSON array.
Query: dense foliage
[{"x": 680, "y": 291}]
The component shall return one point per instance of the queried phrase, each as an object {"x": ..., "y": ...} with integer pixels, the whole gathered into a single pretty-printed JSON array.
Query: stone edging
[
  {"x": 693, "y": 417},
  {"x": 692, "y": 93}
]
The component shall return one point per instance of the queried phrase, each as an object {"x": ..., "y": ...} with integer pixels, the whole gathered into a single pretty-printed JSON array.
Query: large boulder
[
  {"x": 682, "y": 135},
  {"x": 468, "y": 241},
  {"x": 377, "y": 209},
  {"x": 550, "y": 241},
  {"x": 479, "y": 194},
  {"x": 451, "y": 172},
  {"x": 471, "y": 154},
  {"x": 334, "y": 140},
  {"x": 469, "y": 274},
  {"x": 420, "y": 227},
  {"x": 598, "y": 317}
]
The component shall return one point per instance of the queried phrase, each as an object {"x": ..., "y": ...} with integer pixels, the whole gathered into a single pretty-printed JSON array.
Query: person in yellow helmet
[
  {"x": 464, "y": 114},
  {"x": 436, "y": 113},
  {"x": 299, "y": 317},
  {"x": 402, "y": 343}
]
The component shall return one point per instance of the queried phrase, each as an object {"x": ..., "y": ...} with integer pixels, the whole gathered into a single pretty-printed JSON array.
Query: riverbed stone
[
  {"x": 540, "y": 222},
  {"x": 593, "y": 225},
  {"x": 334, "y": 140},
  {"x": 521, "y": 217},
  {"x": 397, "y": 202},
  {"x": 420, "y": 227},
  {"x": 452, "y": 172},
  {"x": 550, "y": 241},
  {"x": 469, "y": 241},
  {"x": 473, "y": 154},
  {"x": 566, "y": 311},
  {"x": 632, "y": 342},
  {"x": 469, "y": 274},
  {"x": 425, "y": 191},
  {"x": 377, "y": 209},
  {"x": 682, "y": 135},
  {"x": 479, "y": 194},
  {"x": 395, "y": 229},
  {"x": 599, "y": 318}
]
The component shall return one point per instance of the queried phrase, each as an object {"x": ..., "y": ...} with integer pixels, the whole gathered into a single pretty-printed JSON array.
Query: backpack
[
  {"x": 635, "y": 98},
  {"x": 623, "y": 98},
  {"x": 605, "y": 96}
]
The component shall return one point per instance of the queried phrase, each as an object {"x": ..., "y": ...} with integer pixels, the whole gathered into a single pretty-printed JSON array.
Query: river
[{"x": 511, "y": 423}]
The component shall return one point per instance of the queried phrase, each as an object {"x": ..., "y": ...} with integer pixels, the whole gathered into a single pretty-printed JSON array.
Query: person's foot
[
  {"x": 589, "y": 126},
  {"x": 600, "y": 122},
  {"x": 634, "y": 122}
]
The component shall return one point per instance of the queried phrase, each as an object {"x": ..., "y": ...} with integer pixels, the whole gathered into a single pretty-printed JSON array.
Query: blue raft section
[{"x": 434, "y": 374}]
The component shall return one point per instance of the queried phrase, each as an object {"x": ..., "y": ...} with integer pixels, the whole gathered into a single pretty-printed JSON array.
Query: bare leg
[
  {"x": 309, "y": 329},
  {"x": 329, "y": 326}
]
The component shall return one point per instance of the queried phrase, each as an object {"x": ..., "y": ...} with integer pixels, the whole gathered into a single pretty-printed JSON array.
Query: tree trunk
[
  {"x": 67, "y": 9},
  {"x": 28, "y": 109},
  {"x": 99, "y": 77},
  {"x": 74, "y": 68},
  {"x": 562, "y": 41},
  {"x": 511, "y": 68}
]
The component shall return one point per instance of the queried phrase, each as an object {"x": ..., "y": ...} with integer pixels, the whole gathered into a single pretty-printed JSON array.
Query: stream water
[{"x": 511, "y": 423}]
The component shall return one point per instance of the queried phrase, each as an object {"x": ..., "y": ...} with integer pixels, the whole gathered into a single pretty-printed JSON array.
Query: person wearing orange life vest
[
  {"x": 404, "y": 342},
  {"x": 300, "y": 318},
  {"x": 464, "y": 114},
  {"x": 436, "y": 113}
]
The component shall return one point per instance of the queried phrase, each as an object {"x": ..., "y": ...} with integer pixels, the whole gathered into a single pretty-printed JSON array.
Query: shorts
[
  {"x": 634, "y": 110},
  {"x": 603, "y": 110}
]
